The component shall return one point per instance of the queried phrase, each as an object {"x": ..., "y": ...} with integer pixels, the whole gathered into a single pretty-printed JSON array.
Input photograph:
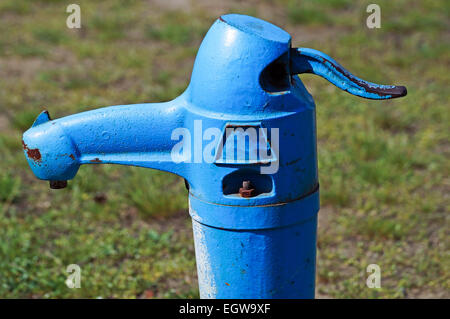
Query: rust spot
[
  {"x": 72, "y": 157},
  {"x": 32, "y": 153},
  {"x": 246, "y": 193},
  {"x": 247, "y": 190},
  {"x": 95, "y": 160},
  {"x": 227, "y": 284}
]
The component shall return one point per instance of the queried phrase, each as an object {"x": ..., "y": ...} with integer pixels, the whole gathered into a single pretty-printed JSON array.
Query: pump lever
[{"x": 304, "y": 60}]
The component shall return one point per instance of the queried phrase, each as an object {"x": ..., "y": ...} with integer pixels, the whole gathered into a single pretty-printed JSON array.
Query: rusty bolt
[{"x": 246, "y": 190}]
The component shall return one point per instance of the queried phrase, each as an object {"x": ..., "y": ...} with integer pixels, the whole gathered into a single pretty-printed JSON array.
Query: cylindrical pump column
[{"x": 256, "y": 251}]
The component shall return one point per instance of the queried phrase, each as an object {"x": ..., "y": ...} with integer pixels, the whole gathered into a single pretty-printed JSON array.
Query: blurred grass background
[{"x": 383, "y": 165}]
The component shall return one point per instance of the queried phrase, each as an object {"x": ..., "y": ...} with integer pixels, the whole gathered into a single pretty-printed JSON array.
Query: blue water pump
[{"x": 243, "y": 136}]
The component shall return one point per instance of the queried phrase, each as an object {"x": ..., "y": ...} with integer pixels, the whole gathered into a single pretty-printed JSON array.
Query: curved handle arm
[{"x": 304, "y": 60}]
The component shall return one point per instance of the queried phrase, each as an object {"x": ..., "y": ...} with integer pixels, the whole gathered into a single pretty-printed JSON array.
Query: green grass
[{"x": 383, "y": 165}]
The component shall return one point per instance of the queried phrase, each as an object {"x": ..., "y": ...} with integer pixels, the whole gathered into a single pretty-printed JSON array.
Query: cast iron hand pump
[{"x": 254, "y": 218}]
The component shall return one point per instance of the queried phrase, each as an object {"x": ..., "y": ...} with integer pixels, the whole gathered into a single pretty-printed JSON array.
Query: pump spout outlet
[{"x": 138, "y": 135}]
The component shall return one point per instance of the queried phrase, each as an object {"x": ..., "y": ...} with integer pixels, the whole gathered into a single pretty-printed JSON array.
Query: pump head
[{"x": 245, "y": 75}]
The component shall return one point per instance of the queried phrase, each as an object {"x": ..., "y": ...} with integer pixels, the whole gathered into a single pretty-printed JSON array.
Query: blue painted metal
[{"x": 245, "y": 74}]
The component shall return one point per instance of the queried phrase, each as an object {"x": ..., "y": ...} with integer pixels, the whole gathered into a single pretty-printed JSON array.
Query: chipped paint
[
  {"x": 206, "y": 280},
  {"x": 193, "y": 213}
]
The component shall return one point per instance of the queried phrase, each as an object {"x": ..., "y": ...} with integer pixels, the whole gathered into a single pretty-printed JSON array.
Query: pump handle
[{"x": 304, "y": 60}]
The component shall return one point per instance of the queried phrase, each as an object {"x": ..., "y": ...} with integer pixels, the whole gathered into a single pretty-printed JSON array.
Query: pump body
[{"x": 243, "y": 136}]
